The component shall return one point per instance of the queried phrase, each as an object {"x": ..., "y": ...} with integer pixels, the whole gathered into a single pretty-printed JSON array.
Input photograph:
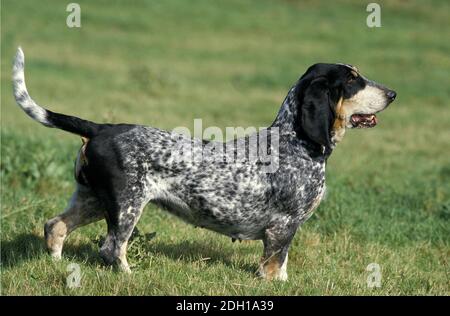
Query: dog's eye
[{"x": 351, "y": 78}]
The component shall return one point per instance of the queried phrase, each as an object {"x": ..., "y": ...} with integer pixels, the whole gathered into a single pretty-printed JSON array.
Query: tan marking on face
[
  {"x": 339, "y": 124},
  {"x": 354, "y": 73}
]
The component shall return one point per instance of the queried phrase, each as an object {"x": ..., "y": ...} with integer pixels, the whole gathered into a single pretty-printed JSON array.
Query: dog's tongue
[{"x": 364, "y": 120}]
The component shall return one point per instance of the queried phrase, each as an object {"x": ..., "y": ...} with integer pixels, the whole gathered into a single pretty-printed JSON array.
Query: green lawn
[{"x": 164, "y": 63}]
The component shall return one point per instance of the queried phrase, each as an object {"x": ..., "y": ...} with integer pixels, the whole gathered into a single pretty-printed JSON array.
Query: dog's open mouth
[{"x": 363, "y": 120}]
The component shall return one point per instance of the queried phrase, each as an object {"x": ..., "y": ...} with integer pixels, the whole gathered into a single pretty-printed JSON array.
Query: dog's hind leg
[
  {"x": 121, "y": 222},
  {"x": 83, "y": 208}
]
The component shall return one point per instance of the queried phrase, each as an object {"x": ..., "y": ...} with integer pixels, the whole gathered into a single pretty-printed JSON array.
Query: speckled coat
[{"x": 239, "y": 200}]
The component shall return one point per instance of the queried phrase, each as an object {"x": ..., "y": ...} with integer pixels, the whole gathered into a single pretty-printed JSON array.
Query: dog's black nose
[{"x": 391, "y": 94}]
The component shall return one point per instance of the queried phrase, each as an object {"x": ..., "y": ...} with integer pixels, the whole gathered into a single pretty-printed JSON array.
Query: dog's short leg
[
  {"x": 120, "y": 228},
  {"x": 83, "y": 208},
  {"x": 277, "y": 240}
]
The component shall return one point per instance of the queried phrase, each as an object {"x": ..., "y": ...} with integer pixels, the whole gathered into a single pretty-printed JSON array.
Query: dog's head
[{"x": 333, "y": 97}]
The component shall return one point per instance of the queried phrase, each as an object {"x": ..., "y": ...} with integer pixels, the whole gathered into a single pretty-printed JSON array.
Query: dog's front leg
[{"x": 276, "y": 241}]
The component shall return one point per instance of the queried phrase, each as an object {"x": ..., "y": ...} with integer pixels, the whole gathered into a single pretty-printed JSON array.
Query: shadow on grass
[
  {"x": 88, "y": 253},
  {"x": 22, "y": 248},
  {"x": 27, "y": 247},
  {"x": 193, "y": 251}
]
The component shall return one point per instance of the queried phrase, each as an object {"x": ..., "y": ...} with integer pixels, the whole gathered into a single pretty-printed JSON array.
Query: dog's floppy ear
[{"x": 316, "y": 111}]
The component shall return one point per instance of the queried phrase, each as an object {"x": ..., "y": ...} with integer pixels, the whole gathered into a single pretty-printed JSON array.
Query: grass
[{"x": 231, "y": 63}]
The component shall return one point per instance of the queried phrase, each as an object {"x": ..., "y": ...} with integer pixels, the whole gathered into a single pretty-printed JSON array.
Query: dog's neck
[
  {"x": 286, "y": 121},
  {"x": 338, "y": 130}
]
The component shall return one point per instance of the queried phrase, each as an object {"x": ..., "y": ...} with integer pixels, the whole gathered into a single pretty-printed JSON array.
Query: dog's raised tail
[{"x": 48, "y": 118}]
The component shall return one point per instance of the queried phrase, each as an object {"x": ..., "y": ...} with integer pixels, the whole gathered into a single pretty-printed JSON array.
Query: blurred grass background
[{"x": 164, "y": 63}]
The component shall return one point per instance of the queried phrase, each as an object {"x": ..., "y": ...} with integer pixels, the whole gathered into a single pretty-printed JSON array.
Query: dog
[{"x": 122, "y": 167}]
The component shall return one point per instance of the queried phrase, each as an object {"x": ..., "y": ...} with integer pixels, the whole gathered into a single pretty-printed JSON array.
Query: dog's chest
[
  {"x": 317, "y": 195},
  {"x": 300, "y": 189}
]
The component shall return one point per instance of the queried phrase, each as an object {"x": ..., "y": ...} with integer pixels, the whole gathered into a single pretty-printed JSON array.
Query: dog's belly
[
  {"x": 238, "y": 223},
  {"x": 244, "y": 214}
]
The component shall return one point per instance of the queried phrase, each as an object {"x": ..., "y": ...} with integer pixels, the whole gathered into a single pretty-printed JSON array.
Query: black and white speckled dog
[{"x": 122, "y": 167}]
